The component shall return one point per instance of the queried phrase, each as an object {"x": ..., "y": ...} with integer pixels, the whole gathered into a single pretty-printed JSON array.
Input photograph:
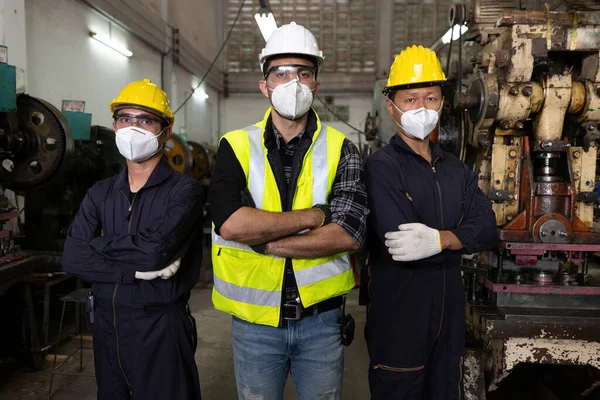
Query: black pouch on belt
[{"x": 347, "y": 326}]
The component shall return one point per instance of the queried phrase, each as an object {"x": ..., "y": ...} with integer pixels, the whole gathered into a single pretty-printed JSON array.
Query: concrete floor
[{"x": 214, "y": 359}]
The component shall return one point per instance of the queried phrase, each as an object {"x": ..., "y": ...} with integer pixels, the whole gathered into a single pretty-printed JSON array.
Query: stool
[{"x": 79, "y": 298}]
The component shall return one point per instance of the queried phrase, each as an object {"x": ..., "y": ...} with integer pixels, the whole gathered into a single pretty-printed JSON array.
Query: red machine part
[{"x": 546, "y": 205}]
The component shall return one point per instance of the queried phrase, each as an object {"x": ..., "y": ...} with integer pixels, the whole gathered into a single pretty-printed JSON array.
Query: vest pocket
[
  {"x": 303, "y": 193},
  {"x": 242, "y": 255}
]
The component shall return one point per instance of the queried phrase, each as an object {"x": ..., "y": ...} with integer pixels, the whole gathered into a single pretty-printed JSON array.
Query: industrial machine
[
  {"x": 531, "y": 115},
  {"x": 190, "y": 157},
  {"x": 49, "y": 159}
]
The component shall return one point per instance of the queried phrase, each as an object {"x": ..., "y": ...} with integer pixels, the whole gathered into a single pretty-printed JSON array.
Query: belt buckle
[{"x": 297, "y": 311}]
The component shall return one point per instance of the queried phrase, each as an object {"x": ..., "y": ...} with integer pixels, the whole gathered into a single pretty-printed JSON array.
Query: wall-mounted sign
[
  {"x": 4, "y": 54},
  {"x": 73, "y": 105}
]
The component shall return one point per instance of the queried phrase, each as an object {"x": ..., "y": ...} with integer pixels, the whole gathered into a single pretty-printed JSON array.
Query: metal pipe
[
  {"x": 472, "y": 291},
  {"x": 499, "y": 264}
]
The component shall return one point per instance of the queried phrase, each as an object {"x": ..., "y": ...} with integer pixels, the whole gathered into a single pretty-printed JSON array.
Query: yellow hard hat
[
  {"x": 415, "y": 66},
  {"x": 147, "y": 95}
]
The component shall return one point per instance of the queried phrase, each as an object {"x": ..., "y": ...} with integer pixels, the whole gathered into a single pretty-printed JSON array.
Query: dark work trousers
[
  {"x": 416, "y": 334},
  {"x": 145, "y": 354}
]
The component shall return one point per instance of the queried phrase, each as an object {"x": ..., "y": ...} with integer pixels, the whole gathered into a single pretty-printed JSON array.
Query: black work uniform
[
  {"x": 416, "y": 319},
  {"x": 144, "y": 334}
]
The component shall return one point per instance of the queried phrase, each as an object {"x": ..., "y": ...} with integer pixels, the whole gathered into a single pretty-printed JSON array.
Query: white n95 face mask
[
  {"x": 292, "y": 100},
  {"x": 418, "y": 123},
  {"x": 137, "y": 144}
]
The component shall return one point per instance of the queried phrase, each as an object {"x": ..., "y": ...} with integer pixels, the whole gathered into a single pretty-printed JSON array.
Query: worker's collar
[
  {"x": 308, "y": 131},
  {"x": 398, "y": 143},
  {"x": 161, "y": 172}
]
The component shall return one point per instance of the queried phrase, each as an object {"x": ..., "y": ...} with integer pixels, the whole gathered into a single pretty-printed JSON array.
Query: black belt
[{"x": 295, "y": 312}]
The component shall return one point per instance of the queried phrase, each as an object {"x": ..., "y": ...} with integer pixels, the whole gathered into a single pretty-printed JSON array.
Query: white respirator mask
[
  {"x": 137, "y": 144},
  {"x": 292, "y": 100},
  {"x": 418, "y": 123}
]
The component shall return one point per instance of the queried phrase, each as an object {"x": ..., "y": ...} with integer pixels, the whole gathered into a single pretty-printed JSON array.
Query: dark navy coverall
[
  {"x": 144, "y": 334},
  {"x": 416, "y": 316}
]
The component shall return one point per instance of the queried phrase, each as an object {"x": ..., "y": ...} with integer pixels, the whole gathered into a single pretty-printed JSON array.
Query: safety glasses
[
  {"x": 284, "y": 73},
  {"x": 143, "y": 121}
]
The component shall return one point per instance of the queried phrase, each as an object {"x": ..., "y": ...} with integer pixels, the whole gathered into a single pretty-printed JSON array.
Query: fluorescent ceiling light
[
  {"x": 107, "y": 42},
  {"x": 456, "y": 33},
  {"x": 201, "y": 94},
  {"x": 266, "y": 22}
]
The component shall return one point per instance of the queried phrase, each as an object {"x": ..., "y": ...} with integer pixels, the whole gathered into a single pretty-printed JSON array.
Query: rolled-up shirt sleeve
[{"x": 348, "y": 198}]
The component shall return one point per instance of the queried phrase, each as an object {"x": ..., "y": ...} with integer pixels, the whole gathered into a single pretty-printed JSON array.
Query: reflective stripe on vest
[
  {"x": 321, "y": 272},
  {"x": 218, "y": 240},
  {"x": 248, "y": 295},
  {"x": 256, "y": 170}
]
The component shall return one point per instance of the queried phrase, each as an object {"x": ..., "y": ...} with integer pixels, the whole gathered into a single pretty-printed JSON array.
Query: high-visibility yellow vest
[{"x": 249, "y": 285}]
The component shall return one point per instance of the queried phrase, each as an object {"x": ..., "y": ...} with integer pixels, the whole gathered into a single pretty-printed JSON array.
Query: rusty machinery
[{"x": 531, "y": 118}]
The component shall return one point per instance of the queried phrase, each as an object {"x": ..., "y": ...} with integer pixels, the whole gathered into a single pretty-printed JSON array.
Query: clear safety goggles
[
  {"x": 284, "y": 73},
  {"x": 146, "y": 122}
]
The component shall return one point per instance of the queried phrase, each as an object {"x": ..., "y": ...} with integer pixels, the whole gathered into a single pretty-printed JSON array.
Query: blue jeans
[{"x": 310, "y": 349}]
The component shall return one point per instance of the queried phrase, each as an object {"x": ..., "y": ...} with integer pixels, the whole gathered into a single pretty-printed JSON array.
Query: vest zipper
[
  {"x": 437, "y": 182},
  {"x": 393, "y": 369},
  {"x": 114, "y": 297}
]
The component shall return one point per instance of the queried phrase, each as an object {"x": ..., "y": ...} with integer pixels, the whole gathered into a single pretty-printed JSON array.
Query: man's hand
[
  {"x": 171, "y": 270},
  {"x": 146, "y": 276},
  {"x": 164, "y": 273},
  {"x": 413, "y": 242}
]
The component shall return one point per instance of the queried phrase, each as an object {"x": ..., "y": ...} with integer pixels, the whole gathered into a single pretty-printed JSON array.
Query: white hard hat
[{"x": 291, "y": 39}]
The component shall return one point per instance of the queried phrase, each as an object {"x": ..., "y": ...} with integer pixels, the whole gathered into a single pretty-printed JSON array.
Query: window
[{"x": 345, "y": 31}]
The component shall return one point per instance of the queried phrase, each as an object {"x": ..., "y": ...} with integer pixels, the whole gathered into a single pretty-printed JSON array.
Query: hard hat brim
[{"x": 386, "y": 90}]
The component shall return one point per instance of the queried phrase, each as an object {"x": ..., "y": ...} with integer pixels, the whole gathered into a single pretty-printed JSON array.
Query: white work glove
[
  {"x": 413, "y": 242},
  {"x": 164, "y": 273}
]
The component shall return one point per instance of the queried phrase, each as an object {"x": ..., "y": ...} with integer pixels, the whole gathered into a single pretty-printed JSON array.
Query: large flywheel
[{"x": 35, "y": 141}]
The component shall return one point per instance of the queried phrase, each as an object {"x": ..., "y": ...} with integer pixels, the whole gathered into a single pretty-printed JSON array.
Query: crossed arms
[
  {"x": 115, "y": 258},
  {"x": 235, "y": 221}
]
